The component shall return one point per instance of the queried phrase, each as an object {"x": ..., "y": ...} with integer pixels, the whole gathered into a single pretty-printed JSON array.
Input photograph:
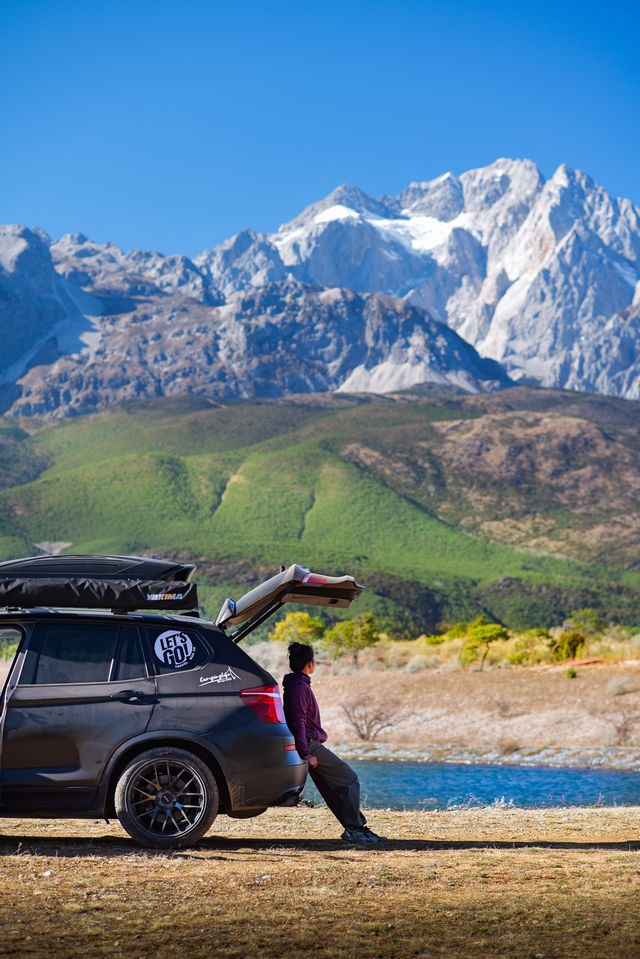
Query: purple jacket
[{"x": 301, "y": 711}]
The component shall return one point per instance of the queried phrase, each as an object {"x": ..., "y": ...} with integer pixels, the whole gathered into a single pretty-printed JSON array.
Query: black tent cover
[
  {"x": 126, "y": 595},
  {"x": 97, "y": 582}
]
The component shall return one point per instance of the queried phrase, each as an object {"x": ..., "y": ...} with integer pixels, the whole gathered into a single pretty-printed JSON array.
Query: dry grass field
[
  {"x": 487, "y": 882},
  {"x": 478, "y": 883},
  {"x": 511, "y": 708},
  {"x": 517, "y": 706}
]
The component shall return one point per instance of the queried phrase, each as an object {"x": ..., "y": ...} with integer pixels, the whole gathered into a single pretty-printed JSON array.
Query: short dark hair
[{"x": 299, "y": 655}]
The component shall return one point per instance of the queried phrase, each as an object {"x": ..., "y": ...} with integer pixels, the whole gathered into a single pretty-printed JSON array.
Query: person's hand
[{"x": 313, "y": 762}]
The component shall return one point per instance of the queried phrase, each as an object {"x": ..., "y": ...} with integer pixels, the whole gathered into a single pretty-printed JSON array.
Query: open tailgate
[{"x": 297, "y": 584}]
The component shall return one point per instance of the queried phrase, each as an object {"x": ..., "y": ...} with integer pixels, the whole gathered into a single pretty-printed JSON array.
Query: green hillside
[{"x": 437, "y": 501}]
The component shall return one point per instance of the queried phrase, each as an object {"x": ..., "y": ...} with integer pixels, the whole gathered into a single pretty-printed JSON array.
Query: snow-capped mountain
[
  {"x": 158, "y": 326},
  {"x": 530, "y": 272},
  {"x": 541, "y": 276}
]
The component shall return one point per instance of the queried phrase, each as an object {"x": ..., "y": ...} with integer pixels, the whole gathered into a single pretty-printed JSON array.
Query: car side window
[
  {"x": 70, "y": 653},
  {"x": 176, "y": 649},
  {"x": 130, "y": 663},
  {"x": 10, "y": 637}
]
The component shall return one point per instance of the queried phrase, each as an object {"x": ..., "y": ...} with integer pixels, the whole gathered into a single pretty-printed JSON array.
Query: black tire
[{"x": 166, "y": 798}]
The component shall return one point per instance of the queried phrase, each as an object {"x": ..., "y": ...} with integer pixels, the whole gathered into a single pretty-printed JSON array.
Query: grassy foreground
[{"x": 473, "y": 882}]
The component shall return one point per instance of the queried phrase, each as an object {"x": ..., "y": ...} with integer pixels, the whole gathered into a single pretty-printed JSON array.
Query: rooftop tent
[
  {"x": 297, "y": 584},
  {"x": 96, "y": 567},
  {"x": 124, "y": 583},
  {"x": 123, "y": 595}
]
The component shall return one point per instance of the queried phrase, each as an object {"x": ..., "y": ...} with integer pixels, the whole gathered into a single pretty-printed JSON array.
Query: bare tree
[
  {"x": 624, "y": 716},
  {"x": 369, "y": 717},
  {"x": 624, "y": 719}
]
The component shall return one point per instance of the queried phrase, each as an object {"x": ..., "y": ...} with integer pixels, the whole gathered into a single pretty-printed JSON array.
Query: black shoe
[
  {"x": 354, "y": 834},
  {"x": 371, "y": 836},
  {"x": 361, "y": 836}
]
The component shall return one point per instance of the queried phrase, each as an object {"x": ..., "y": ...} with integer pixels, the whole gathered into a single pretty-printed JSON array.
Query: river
[{"x": 414, "y": 785}]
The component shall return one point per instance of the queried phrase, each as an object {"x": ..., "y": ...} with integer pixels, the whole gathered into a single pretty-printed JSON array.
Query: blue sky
[{"x": 173, "y": 125}]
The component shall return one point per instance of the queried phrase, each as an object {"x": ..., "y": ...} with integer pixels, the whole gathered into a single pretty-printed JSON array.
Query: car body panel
[
  {"x": 55, "y": 736},
  {"x": 62, "y": 744}
]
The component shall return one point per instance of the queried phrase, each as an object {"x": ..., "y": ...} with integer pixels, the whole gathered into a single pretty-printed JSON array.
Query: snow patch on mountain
[{"x": 337, "y": 212}]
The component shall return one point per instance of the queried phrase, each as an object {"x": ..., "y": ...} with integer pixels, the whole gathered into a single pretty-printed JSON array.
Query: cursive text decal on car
[{"x": 227, "y": 677}]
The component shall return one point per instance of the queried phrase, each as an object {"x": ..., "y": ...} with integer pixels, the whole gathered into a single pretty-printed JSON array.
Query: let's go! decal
[{"x": 174, "y": 649}]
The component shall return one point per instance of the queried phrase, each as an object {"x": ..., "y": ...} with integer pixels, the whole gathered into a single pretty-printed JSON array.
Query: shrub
[
  {"x": 434, "y": 640},
  {"x": 457, "y": 631},
  {"x": 369, "y": 717},
  {"x": 571, "y": 641},
  {"x": 587, "y": 620},
  {"x": 530, "y": 648}
]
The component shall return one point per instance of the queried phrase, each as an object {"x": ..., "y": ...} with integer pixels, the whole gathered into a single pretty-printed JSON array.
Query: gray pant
[{"x": 338, "y": 785}]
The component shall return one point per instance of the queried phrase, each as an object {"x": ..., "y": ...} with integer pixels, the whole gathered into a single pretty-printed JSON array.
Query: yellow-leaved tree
[
  {"x": 352, "y": 635},
  {"x": 297, "y": 627}
]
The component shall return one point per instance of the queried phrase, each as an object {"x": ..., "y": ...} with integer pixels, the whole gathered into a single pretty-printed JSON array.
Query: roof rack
[{"x": 117, "y": 583}]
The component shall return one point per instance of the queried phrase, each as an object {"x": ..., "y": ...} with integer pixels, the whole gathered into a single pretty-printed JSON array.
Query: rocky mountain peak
[
  {"x": 246, "y": 260},
  {"x": 22, "y": 250},
  {"x": 342, "y": 203},
  {"x": 354, "y": 293},
  {"x": 441, "y": 198}
]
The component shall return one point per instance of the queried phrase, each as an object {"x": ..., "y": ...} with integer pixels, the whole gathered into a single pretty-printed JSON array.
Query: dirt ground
[
  {"x": 509, "y": 708},
  {"x": 485, "y": 882},
  {"x": 478, "y": 883},
  {"x": 512, "y": 707}
]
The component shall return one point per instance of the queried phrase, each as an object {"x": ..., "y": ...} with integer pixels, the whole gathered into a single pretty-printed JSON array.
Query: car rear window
[
  {"x": 176, "y": 649},
  {"x": 130, "y": 662}
]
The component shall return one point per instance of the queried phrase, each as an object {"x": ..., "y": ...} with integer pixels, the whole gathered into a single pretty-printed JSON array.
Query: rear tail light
[{"x": 265, "y": 702}]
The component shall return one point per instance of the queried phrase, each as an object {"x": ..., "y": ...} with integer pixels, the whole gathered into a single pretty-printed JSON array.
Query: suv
[{"x": 162, "y": 720}]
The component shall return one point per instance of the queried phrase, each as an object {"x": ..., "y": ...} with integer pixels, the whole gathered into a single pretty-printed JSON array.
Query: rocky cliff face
[
  {"x": 355, "y": 293},
  {"x": 41, "y": 313},
  {"x": 278, "y": 339}
]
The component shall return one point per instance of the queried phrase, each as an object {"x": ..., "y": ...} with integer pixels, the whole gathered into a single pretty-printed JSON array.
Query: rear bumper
[
  {"x": 259, "y": 765},
  {"x": 275, "y": 786}
]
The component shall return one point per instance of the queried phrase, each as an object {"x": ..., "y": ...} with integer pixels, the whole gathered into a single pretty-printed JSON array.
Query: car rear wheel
[{"x": 166, "y": 798}]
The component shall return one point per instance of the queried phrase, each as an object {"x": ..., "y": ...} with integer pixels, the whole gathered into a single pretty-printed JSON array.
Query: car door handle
[{"x": 126, "y": 695}]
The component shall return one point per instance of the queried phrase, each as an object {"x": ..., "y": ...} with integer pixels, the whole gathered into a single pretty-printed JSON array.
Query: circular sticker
[{"x": 174, "y": 649}]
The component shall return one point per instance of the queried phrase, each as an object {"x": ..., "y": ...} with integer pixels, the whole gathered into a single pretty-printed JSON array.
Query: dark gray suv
[{"x": 161, "y": 720}]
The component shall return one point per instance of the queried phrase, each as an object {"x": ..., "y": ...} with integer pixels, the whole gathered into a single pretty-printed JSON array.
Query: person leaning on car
[{"x": 336, "y": 781}]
